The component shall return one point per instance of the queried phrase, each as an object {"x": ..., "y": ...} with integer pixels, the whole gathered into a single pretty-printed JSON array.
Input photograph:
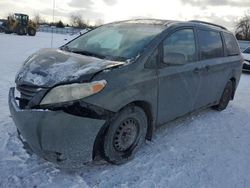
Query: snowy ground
[{"x": 207, "y": 149}]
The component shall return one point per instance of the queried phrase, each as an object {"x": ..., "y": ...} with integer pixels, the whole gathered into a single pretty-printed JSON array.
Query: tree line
[
  {"x": 76, "y": 21},
  {"x": 242, "y": 31},
  {"x": 243, "y": 28}
]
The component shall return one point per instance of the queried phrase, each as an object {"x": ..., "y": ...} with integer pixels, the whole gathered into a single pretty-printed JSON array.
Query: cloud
[
  {"x": 81, "y": 3},
  {"x": 228, "y": 21},
  {"x": 110, "y": 2},
  {"x": 58, "y": 13},
  {"x": 203, "y": 3},
  {"x": 88, "y": 14}
]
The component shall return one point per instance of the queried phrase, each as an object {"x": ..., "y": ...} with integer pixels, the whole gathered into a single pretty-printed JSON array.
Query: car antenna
[{"x": 52, "y": 35}]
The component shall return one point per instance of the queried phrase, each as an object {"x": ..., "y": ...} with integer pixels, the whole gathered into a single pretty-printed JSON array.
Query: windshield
[
  {"x": 115, "y": 41},
  {"x": 247, "y": 51}
]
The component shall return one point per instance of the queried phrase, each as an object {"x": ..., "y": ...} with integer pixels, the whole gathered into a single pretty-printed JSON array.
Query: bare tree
[
  {"x": 39, "y": 20},
  {"x": 9, "y": 15},
  {"x": 77, "y": 21},
  {"x": 243, "y": 28}
]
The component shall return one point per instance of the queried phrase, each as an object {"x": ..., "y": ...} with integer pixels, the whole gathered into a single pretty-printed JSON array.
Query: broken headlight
[{"x": 71, "y": 92}]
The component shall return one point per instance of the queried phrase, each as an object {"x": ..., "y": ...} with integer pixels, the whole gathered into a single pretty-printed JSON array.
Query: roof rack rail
[{"x": 202, "y": 22}]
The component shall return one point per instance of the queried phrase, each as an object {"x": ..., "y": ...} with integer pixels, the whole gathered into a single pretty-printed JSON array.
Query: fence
[{"x": 66, "y": 30}]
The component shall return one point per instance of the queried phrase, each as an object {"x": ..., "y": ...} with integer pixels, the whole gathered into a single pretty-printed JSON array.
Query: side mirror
[{"x": 174, "y": 58}]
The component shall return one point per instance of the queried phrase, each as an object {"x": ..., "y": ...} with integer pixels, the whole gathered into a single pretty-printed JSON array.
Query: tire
[
  {"x": 20, "y": 30},
  {"x": 7, "y": 32},
  {"x": 226, "y": 97},
  {"x": 31, "y": 31},
  {"x": 125, "y": 134},
  {"x": 25, "y": 31}
]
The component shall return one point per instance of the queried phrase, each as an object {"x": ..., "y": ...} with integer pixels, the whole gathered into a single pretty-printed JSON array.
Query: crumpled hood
[{"x": 49, "y": 67}]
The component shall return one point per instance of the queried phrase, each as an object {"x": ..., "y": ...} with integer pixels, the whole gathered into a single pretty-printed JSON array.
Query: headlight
[
  {"x": 246, "y": 62},
  {"x": 66, "y": 93}
]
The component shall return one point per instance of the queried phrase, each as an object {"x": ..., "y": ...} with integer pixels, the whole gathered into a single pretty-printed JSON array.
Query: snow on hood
[{"x": 49, "y": 67}]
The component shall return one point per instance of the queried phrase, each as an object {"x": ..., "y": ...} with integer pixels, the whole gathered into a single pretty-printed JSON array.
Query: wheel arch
[
  {"x": 233, "y": 80},
  {"x": 145, "y": 106}
]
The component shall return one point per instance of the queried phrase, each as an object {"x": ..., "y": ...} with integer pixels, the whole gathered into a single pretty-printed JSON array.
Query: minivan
[
  {"x": 102, "y": 94},
  {"x": 246, "y": 56}
]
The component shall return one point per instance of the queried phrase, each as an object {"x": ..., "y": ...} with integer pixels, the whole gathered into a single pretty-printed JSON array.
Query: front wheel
[
  {"x": 125, "y": 134},
  {"x": 21, "y": 30},
  {"x": 31, "y": 31},
  {"x": 226, "y": 97},
  {"x": 7, "y": 32}
]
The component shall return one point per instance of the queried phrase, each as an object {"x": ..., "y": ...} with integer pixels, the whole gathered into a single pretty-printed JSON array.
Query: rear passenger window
[
  {"x": 231, "y": 44},
  {"x": 210, "y": 44},
  {"x": 179, "y": 47}
]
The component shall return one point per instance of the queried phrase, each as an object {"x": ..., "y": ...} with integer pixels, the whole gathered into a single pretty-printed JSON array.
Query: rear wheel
[
  {"x": 21, "y": 30},
  {"x": 125, "y": 134},
  {"x": 25, "y": 31},
  {"x": 7, "y": 32},
  {"x": 226, "y": 97},
  {"x": 31, "y": 31}
]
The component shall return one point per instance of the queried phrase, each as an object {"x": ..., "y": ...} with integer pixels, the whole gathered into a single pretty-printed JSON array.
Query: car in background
[
  {"x": 246, "y": 55},
  {"x": 1, "y": 27},
  {"x": 243, "y": 44}
]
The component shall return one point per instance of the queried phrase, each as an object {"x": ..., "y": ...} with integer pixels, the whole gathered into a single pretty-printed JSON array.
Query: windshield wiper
[
  {"x": 116, "y": 58},
  {"x": 87, "y": 53}
]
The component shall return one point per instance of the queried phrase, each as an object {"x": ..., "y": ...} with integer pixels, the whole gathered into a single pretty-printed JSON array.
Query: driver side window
[{"x": 179, "y": 48}]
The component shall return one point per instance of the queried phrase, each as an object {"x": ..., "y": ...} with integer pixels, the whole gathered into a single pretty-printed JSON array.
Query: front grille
[
  {"x": 247, "y": 60},
  {"x": 30, "y": 96},
  {"x": 28, "y": 92}
]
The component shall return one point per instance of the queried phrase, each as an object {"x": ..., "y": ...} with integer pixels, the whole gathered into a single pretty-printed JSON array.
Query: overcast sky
[{"x": 224, "y": 12}]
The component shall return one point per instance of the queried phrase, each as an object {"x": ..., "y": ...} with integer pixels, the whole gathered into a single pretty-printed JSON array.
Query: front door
[{"x": 179, "y": 79}]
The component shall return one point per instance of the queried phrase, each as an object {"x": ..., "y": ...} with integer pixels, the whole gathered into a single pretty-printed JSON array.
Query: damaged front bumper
[{"x": 55, "y": 135}]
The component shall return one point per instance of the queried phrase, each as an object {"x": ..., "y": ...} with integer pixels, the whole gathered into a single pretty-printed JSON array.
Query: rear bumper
[{"x": 55, "y": 135}]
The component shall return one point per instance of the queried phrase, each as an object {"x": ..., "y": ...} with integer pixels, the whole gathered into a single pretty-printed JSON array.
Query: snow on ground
[{"x": 207, "y": 149}]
